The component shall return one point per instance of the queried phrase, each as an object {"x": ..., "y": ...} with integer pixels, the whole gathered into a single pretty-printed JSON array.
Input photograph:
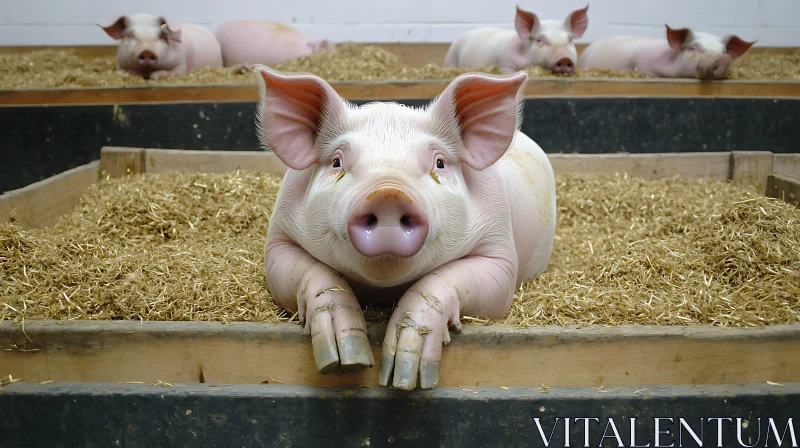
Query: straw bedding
[
  {"x": 350, "y": 62},
  {"x": 189, "y": 247}
]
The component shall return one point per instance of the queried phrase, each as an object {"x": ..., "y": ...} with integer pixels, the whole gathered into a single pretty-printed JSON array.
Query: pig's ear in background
[
  {"x": 578, "y": 21},
  {"x": 167, "y": 30},
  {"x": 676, "y": 38},
  {"x": 736, "y": 47},
  {"x": 487, "y": 111},
  {"x": 525, "y": 22},
  {"x": 115, "y": 29},
  {"x": 319, "y": 46},
  {"x": 290, "y": 111}
]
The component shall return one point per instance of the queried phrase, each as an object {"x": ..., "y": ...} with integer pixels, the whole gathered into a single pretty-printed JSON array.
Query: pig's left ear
[
  {"x": 736, "y": 47},
  {"x": 290, "y": 113},
  {"x": 115, "y": 29},
  {"x": 487, "y": 110},
  {"x": 168, "y": 32},
  {"x": 578, "y": 21}
]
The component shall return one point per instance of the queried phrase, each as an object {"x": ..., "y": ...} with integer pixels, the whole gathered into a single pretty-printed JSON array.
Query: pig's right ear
[
  {"x": 290, "y": 112},
  {"x": 115, "y": 29},
  {"x": 676, "y": 38},
  {"x": 486, "y": 111},
  {"x": 525, "y": 22}
]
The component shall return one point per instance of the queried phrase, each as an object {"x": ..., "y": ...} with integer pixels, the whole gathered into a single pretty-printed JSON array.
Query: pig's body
[
  {"x": 151, "y": 48},
  {"x": 534, "y": 42},
  {"x": 446, "y": 210},
  {"x": 684, "y": 54},
  {"x": 263, "y": 42}
]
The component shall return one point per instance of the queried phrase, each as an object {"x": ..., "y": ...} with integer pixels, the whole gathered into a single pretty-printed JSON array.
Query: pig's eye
[
  {"x": 337, "y": 162},
  {"x": 693, "y": 48},
  {"x": 440, "y": 164},
  {"x": 539, "y": 40}
]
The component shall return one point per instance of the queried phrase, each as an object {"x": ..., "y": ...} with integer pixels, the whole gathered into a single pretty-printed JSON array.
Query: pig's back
[
  {"x": 202, "y": 47},
  {"x": 260, "y": 42},
  {"x": 531, "y": 191},
  {"x": 614, "y": 52},
  {"x": 482, "y": 46}
]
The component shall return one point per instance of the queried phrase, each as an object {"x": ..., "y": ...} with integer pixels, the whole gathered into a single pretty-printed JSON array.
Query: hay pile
[
  {"x": 351, "y": 62},
  {"x": 189, "y": 247}
]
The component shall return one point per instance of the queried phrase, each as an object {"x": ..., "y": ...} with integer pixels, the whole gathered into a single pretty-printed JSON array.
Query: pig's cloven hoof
[{"x": 355, "y": 353}]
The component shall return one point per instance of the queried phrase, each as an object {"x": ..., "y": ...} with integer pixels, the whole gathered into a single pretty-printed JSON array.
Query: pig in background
[
  {"x": 445, "y": 210},
  {"x": 535, "y": 42},
  {"x": 684, "y": 54},
  {"x": 246, "y": 42},
  {"x": 151, "y": 47}
]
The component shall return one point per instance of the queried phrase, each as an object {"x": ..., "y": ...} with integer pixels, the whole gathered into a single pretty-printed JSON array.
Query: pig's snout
[
  {"x": 563, "y": 65},
  {"x": 388, "y": 222},
  {"x": 147, "y": 58},
  {"x": 719, "y": 65}
]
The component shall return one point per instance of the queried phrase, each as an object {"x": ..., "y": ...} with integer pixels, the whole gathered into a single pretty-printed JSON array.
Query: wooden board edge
[
  {"x": 787, "y": 164},
  {"x": 416, "y": 89},
  {"x": 43, "y": 203},
  {"x": 209, "y": 161},
  {"x": 784, "y": 188},
  {"x": 480, "y": 356},
  {"x": 120, "y": 161},
  {"x": 751, "y": 168},
  {"x": 472, "y": 334}
]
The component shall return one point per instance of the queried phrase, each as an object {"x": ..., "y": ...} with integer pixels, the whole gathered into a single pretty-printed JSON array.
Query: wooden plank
[
  {"x": 787, "y": 165},
  {"x": 784, "y": 188},
  {"x": 751, "y": 168},
  {"x": 42, "y": 203},
  {"x": 121, "y": 161},
  {"x": 715, "y": 165},
  {"x": 162, "y": 160},
  {"x": 403, "y": 89},
  {"x": 494, "y": 355}
]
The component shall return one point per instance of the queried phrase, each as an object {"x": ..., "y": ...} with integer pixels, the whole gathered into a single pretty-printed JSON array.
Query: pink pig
[
  {"x": 544, "y": 43},
  {"x": 150, "y": 47},
  {"x": 685, "y": 54},
  {"x": 445, "y": 210},
  {"x": 261, "y": 42}
]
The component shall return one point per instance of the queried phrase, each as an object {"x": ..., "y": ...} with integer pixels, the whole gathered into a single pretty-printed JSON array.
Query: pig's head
[
  {"x": 704, "y": 55},
  {"x": 147, "y": 43},
  {"x": 386, "y": 198},
  {"x": 550, "y": 42}
]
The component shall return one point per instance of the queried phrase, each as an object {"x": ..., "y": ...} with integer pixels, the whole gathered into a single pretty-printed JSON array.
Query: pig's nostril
[
  {"x": 371, "y": 220},
  {"x": 408, "y": 221}
]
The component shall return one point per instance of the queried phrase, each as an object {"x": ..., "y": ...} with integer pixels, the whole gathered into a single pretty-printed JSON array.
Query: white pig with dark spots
[
  {"x": 445, "y": 210},
  {"x": 684, "y": 54},
  {"x": 534, "y": 42}
]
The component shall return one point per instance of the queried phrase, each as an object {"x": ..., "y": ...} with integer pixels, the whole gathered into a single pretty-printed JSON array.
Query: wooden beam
[
  {"x": 388, "y": 90},
  {"x": 121, "y": 161},
  {"x": 787, "y": 165},
  {"x": 162, "y": 160},
  {"x": 494, "y": 355},
  {"x": 42, "y": 203},
  {"x": 784, "y": 188},
  {"x": 715, "y": 165},
  {"x": 751, "y": 168}
]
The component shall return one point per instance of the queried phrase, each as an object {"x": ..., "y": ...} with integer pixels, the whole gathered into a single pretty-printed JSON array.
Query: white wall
[{"x": 71, "y": 22}]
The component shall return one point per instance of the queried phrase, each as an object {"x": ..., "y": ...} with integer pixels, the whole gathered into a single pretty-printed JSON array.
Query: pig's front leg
[
  {"x": 475, "y": 286},
  {"x": 324, "y": 300}
]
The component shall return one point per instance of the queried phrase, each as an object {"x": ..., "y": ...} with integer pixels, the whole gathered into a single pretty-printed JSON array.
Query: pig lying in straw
[
  {"x": 685, "y": 54},
  {"x": 544, "y": 43},
  {"x": 246, "y": 42},
  {"x": 446, "y": 210},
  {"x": 151, "y": 47}
]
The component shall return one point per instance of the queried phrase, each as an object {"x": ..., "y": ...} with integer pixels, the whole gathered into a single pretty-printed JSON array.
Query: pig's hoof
[
  {"x": 406, "y": 361},
  {"x": 429, "y": 373},
  {"x": 387, "y": 366},
  {"x": 355, "y": 352},
  {"x": 326, "y": 354}
]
